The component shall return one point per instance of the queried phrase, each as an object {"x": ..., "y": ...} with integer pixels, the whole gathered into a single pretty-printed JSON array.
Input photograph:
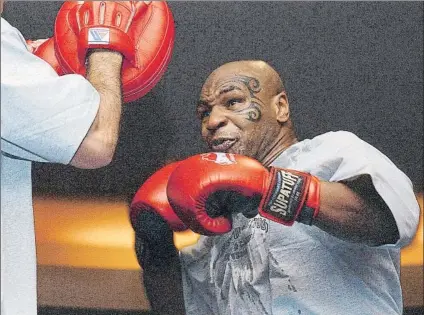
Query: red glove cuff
[{"x": 291, "y": 196}]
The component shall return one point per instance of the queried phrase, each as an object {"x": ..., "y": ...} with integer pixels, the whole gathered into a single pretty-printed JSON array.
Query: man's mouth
[{"x": 222, "y": 144}]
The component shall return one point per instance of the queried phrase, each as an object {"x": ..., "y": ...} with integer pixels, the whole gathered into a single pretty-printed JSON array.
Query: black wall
[{"x": 355, "y": 66}]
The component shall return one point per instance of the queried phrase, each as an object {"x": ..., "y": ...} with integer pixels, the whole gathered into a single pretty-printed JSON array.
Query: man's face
[{"x": 237, "y": 115}]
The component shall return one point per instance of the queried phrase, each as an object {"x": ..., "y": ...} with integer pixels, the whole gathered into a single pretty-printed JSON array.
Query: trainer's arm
[
  {"x": 98, "y": 147},
  {"x": 355, "y": 212}
]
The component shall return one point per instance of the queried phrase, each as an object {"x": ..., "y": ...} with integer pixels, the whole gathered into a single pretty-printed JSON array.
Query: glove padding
[
  {"x": 204, "y": 190},
  {"x": 153, "y": 219},
  {"x": 44, "y": 49},
  {"x": 142, "y": 31}
]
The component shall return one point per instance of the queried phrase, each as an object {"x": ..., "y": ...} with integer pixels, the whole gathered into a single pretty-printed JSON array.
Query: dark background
[{"x": 354, "y": 66}]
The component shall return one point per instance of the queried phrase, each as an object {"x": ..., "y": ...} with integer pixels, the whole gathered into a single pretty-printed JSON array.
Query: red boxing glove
[
  {"x": 44, "y": 49},
  {"x": 151, "y": 197},
  {"x": 153, "y": 220},
  {"x": 281, "y": 195}
]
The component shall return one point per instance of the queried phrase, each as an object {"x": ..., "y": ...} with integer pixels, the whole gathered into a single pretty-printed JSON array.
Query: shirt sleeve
[
  {"x": 355, "y": 157},
  {"x": 44, "y": 117}
]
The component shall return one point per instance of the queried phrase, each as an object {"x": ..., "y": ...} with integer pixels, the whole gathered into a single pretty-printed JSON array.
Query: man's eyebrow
[
  {"x": 229, "y": 89},
  {"x": 222, "y": 91},
  {"x": 202, "y": 103}
]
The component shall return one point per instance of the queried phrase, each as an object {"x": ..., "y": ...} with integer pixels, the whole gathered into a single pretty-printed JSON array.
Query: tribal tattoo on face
[{"x": 253, "y": 112}]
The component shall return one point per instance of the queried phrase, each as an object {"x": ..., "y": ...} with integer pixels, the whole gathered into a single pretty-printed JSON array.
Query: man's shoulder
[
  {"x": 333, "y": 143},
  {"x": 11, "y": 36},
  {"x": 339, "y": 136},
  {"x": 6, "y": 27},
  {"x": 330, "y": 141}
]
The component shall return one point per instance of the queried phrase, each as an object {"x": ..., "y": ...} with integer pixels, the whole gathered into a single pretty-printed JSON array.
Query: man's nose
[{"x": 217, "y": 118}]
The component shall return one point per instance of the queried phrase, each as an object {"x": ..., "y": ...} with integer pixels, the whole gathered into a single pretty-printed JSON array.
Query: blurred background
[{"x": 355, "y": 66}]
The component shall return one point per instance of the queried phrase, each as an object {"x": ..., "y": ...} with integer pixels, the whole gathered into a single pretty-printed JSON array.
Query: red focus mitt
[{"x": 142, "y": 31}]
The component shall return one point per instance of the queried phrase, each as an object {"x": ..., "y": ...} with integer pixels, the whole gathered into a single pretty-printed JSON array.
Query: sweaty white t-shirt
[
  {"x": 44, "y": 118},
  {"x": 263, "y": 268}
]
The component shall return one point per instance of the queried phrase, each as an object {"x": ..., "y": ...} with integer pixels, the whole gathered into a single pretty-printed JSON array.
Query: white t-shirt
[
  {"x": 44, "y": 118},
  {"x": 262, "y": 267}
]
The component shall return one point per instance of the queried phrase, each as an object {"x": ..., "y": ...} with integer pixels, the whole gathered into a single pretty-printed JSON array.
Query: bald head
[
  {"x": 268, "y": 78},
  {"x": 244, "y": 109}
]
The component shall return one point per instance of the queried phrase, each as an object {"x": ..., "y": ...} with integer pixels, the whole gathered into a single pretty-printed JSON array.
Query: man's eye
[
  {"x": 206, "y": 113},
  {"x": 203, "y": 114},
  {"x": 234, "y": 101}
]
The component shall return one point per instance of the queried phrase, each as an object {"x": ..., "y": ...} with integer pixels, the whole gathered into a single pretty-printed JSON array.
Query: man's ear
[{"x": 282, "y": 107}]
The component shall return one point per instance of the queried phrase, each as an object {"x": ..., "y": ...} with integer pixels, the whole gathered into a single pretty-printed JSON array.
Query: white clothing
[
  {"x": 262, "y": 267},
  {"x": 44, "y": 118}
]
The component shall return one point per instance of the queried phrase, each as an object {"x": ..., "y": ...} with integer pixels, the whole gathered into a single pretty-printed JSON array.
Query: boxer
[{"x": 287, "y": 226}]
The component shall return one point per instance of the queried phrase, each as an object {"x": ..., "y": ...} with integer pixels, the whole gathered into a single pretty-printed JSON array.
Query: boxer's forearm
[
  {"x": 163, "y": 286},
  {"x": 98, "y": 147},
  {"x": 159, "y": 260},
  {"x": 354, "y": 212}
]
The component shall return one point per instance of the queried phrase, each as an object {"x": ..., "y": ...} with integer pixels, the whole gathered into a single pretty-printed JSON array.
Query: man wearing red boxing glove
[
  {"x": 154, "y": 220},
  {"x": 289, "y": 227},
  {"x": 45, "y": 117}
]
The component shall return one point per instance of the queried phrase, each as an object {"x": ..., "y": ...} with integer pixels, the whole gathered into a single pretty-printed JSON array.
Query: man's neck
[{"x": 286, "y": 139}]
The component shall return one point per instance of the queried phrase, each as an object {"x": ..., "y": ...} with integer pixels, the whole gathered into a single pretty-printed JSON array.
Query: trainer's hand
[
  {"x": 44, "y": 49},
  {"x": 153, "y": 218},
  {"x": 205, "y": 189},
  {"x": 32, "y": 45}
]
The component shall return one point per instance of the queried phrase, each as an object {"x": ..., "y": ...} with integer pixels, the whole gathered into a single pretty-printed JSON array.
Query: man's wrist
[
  {"x": 113, "y": 58},
  {"x": 291, "y": 196}
]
